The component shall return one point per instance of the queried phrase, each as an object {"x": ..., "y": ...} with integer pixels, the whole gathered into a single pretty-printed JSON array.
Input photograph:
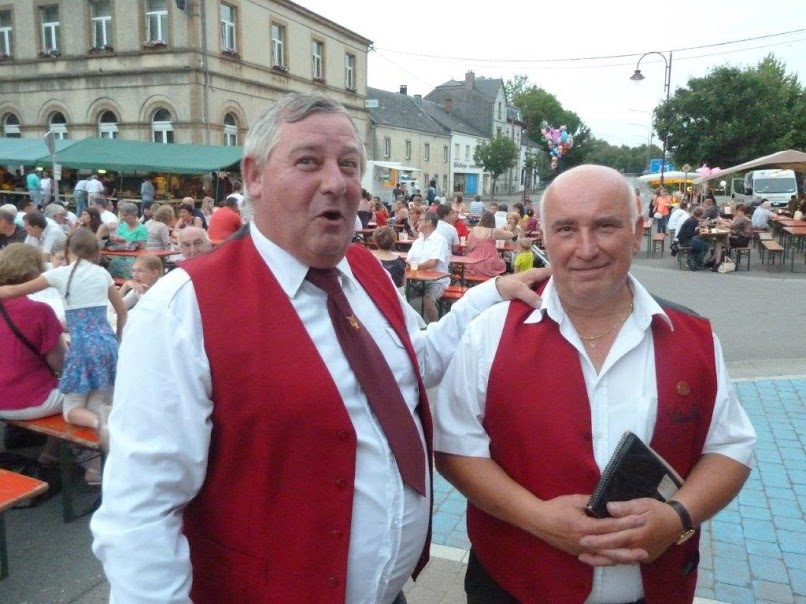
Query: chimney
[
  {"x": 418, "y": 98},
  {"x": 470, "y": 80},
  {"x": 447, "y": 105},
  {"x": 404, "y": 90}
]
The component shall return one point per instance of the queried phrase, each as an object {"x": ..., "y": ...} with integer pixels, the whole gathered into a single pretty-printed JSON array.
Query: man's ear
[{"x": 252, "y": 176}]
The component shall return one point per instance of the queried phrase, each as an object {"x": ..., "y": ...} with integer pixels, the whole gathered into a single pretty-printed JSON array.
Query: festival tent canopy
[
  {"x": 785, "y": 160},
  {"x": 136, "y": 156},
  {"x": 28, "y": 151}
]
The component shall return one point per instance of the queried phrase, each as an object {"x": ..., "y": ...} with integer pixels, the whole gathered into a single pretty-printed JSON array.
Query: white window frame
[
  {"x": 50, "y": 29},
  {"x": 7, "y": 34},
  {"x": 228, "y": 25},
  {"x": 101, "y": 24},
  {"x": 11, "y": 130},
  {"x": 349, "y": 71},
  {"x": 157, "y": 18},
  {"x": 59, "y": 129},
  {"x": 318, "y": 59},
  {"x": 230, "y": 131},
  {"x": 387, "y": 147},
  {"x": 408, "y": 150},
  {"x": 278, "y": 39},
  {"x": 427, "y": 152},
  {"x": 107, "y": 129},
  {"x": 162, "y": 130}
]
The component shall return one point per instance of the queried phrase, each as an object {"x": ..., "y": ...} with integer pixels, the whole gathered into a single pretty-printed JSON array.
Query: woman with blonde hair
[
  {"x": 159, "y": 228},
  {"x": 145, "y": 273}
]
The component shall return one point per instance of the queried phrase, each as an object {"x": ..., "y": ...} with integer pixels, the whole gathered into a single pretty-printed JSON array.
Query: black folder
[{"x": 634, "y": 471}]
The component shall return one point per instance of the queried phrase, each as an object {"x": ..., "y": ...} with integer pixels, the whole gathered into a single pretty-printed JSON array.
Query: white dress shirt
[
  {"x": 623, "y": 396},
  {"x": 155, "y": 467}
]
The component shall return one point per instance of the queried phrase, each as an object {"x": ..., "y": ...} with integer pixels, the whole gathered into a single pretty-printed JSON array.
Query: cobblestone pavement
[{"x": 754, "y": 551}]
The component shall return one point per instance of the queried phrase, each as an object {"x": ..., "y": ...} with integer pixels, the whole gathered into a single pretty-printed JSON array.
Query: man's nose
[
  {"x": 588, "y": 244},
  {"x": 333, "y": 179}
]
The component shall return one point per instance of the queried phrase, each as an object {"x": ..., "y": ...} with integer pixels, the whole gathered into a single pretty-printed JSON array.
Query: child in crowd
[
  {"x": 89, "y": 368},
  {"x": 145, "y": 272},
  {"x": 525, "y": 258}
]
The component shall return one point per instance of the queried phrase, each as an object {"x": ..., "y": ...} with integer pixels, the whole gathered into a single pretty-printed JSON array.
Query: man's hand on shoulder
[
  {"x": 660, "y": 528},
  {"x": 519, "y": 286}
]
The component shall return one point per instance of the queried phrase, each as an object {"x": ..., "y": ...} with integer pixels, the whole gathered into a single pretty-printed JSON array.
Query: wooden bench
[
  {"x": 682, "y": 256},
  {"x": 451, "y": 294},
  {"x": 774, "y": 248},
  {"x": 14, "y": 489},
  {"x": 658, "y": 243},
  {"x": 87, "y": 438},
  {"x": 742, "y": 252},
  {"x": 471, "y": 280}
]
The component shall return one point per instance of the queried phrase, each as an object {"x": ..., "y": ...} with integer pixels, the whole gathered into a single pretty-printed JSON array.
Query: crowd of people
[{"x": 312, "y": 481}]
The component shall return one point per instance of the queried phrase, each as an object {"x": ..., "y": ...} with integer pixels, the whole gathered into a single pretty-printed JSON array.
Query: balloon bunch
[
  {"x": 704, "y": 170},
  {"x": 558, "y": 140}
]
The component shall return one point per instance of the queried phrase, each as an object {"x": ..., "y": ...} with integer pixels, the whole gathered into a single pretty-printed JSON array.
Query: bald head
[
  {"x": 588, "y": 179},
  {"x": 193, "y": 241}
]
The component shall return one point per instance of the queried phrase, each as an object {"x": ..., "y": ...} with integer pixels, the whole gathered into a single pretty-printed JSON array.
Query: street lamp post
[{"x": 667, "y": 85}]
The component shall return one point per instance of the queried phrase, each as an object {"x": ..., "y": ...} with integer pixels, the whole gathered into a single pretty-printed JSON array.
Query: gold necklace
[{"x": 592, "y": 341}]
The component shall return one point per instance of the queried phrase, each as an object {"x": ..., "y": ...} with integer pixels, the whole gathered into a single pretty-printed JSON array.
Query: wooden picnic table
[
  {"x": 135, "y": 253},
  {"x": 795, "y": 236},
  {"x": 14, "y": 489}
]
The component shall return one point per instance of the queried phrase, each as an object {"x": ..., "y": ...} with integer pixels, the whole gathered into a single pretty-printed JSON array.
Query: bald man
[
  {"x": 604, "y": 357},
  {"x": 193, "y": 241}
]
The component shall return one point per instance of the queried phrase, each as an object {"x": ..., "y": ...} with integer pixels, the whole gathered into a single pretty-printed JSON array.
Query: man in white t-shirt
[
  {"x": 500, "y": 214},
  {"x": 236, "y": 193},
  {"x": 447, "y": 218},
  {"x": 107, "y": 217},
  {"x": 43, "y": 233},
  {"x": 95, "y": 188},
  {"x": 430, "y": 252},
  {"x": 677, "y": 218}
]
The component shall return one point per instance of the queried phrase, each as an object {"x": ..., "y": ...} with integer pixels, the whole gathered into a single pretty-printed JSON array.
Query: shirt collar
[
  {"x": 644, "y": 306},
  {"x": 290, "y": 272}
]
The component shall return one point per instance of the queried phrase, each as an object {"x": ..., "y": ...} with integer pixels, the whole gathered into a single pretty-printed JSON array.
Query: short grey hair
[
  {"x": 265, "y": 131},
  {"x": 626, "y": 192},
  {"x": 129, "y": 208},
  {"x": 54, "y": 209},
  {"x": 7, "y": 216}
]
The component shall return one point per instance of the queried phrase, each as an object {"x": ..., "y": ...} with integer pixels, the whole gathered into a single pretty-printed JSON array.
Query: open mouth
[{"x": 331, "y": 215}]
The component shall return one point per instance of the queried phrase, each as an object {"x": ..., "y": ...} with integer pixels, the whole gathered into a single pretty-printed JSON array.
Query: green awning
[
  {"x": 28, "y": 151},
  {"x": 135, "y": 156}
]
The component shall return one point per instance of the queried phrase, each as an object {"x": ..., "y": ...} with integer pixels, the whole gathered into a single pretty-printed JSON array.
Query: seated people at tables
[
  {"x": 145, "y": 272},
  {"x": 445, "y": 226},
  {"x": 476, "y": 208},
  {"x": 10, "y": 231},
  {"x": 430, "y": 252},
  {"x": 148, "y": 208},
  {"x": 792, "y": 205},
  {"x": 401, "y": 217},
  {"x": 130, "y": 234},
  {"x": 741, "y": 227},
  {"x": 459, "y": 206},
  {"x": 688, "y": 237},
  {"x": 529, "y": 221},
  {"x": 193, "y": 241},
  {"x": 43, "y": 234},
  {"x": 187, "y": 218},
  {"x": 710, "y": 211},
  {"x": 365, "y": 208},
  {"x": 226, "y": 220},
  {"x": 461, "y": 228},
  {"x": 381, "y": 216},
  {"x": 385, "y": 238},
  {"x": 107, "y": 217},
  {"x": 481, "y": 244},
  {"x": 159, "y": 228},
  {"x": 524, "y": 259},
  {"x": 415, "y": 214},
  {"x": 513, "y": 225},
  {"x": 762, "y": 215},
  {"x": 208, "y": 207},
  {"x": 90, "y": 219},
  {"x": 59, "y": 214},
  {"x": 197, "y": 213},
  {"x": 29, "y": 388},
  {"x": 677, "y": 218}
]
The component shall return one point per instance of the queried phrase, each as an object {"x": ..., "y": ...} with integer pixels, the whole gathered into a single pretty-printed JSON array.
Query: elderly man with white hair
[{"x": 761, "y": 216}]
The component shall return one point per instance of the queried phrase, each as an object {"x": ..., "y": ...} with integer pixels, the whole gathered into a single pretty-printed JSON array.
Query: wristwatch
[{"x": 685, "y": 519}]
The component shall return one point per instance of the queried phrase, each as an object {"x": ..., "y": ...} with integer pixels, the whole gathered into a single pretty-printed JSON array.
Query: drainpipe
[{"x": 206, "y": 71}]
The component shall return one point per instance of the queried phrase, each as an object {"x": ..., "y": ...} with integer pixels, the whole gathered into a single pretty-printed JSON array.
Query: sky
[{"x": 424, "y": 43}]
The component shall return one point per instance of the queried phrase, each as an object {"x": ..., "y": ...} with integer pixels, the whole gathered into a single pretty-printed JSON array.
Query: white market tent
[{"x": 785, "y": 160}]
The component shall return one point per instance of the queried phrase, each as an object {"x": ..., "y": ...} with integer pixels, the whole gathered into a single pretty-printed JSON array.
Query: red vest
[
  {"x": 272, "y": 520},
  {"x": 542, "y": 439}
]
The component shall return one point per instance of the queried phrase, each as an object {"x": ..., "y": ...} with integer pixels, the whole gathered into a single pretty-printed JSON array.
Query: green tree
[
  {"x": 538, "y": 106},
  {"x": 496, "y": 156},
  {"x": 733, "y": 115}
]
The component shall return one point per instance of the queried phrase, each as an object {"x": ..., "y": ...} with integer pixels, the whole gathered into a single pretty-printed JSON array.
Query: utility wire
[{"x": 594, "y": 58}]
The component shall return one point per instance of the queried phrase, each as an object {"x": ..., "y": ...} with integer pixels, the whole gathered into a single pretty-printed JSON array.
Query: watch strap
[{"x": 685, "y": 519}]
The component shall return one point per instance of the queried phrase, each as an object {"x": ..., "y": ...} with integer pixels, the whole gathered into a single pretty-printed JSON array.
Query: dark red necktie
[{"x": 376, "y": 380}]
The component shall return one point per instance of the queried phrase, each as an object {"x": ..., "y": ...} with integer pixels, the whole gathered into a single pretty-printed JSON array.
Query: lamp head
[{"x": 637, "y": 76}]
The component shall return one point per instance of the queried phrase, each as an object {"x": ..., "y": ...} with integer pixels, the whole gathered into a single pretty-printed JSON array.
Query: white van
[{"x": 776, "y": 186}]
